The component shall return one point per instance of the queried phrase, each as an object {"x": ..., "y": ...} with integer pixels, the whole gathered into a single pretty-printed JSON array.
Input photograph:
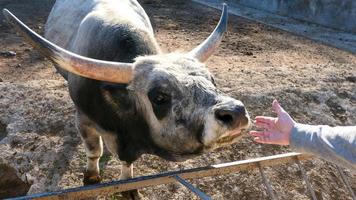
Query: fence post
[
  {"x": 306, "y": 180},
  {"x": 347, "y": 184},
  {"x": 267, "y": 184}
]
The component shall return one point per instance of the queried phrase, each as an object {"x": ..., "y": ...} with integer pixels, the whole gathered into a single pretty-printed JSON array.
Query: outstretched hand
[{"x": 276, "y": 130}]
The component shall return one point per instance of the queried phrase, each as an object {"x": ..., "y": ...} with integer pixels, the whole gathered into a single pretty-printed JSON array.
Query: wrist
[{"x": 290, "y": 131}]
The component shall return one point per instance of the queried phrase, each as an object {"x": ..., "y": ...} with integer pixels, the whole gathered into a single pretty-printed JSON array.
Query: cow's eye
[
  {"x": 161, "y": 98},
  {"x": 158, "y": 97},
  {"x": 161, "y": 102}
]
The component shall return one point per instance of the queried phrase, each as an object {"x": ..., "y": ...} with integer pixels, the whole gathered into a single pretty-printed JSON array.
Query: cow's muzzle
[{"x": 232, "y": 114}]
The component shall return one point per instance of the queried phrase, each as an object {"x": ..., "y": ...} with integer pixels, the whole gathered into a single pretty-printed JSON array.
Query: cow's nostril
[
  {"x": 225, "y": 116},
  {"x": 230, "y": 115}
]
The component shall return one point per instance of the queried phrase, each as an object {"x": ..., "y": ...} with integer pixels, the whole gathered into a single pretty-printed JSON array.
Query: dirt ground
[{"x": 255, "y": 63}]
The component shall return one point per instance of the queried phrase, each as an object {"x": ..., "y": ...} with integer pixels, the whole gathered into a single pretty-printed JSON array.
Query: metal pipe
[
  {"x": 306, "y": 180},
  {"x": 195, "y": 190},
  {"x": 347, "y": 184},
  {"x": 267, "y": 184}
]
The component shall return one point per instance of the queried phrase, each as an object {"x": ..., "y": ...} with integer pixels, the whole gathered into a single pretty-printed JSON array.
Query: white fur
[{"x": 211, "y": 129}]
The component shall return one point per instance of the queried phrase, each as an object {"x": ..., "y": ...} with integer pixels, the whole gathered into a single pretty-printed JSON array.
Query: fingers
[
  {"x": 277, "y": 107},
  {"x": 261, "y": 137},
  {"x": 264, "y": 125},
  {"x": 266, "y": 120},
  {"x": 257, "y": 133},
  {"x": 263, "y": 140}
]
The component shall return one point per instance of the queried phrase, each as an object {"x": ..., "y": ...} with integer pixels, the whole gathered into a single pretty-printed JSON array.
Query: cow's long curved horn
[
  {"x": 205, "y": 49},
  {"x": 114, "y": 72}
]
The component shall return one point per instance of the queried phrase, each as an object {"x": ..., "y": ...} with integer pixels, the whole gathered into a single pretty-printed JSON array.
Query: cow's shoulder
[
  {"x": 64, "y": 20},
  {"x": 67, "y": 17}
]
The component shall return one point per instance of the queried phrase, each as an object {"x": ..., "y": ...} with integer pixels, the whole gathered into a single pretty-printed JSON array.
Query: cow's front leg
[
  {"x": 127, "y": 173},
  {"x": 93, "y": 147}
]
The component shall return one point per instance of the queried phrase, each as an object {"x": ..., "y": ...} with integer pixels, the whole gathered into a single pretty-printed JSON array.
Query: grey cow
[{"x": 127, "y": 93}]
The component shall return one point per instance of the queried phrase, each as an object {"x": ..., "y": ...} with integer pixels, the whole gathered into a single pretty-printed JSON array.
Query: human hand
[{"x": 276, "y": 130}]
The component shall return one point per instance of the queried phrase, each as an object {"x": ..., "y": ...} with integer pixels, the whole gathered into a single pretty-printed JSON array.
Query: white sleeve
[{"x": 335, "y": 144}]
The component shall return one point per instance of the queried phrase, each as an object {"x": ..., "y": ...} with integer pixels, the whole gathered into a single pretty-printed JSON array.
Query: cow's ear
[{"x": 117, "y": 96}]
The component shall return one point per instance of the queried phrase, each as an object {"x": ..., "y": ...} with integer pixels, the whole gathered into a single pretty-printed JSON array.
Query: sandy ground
[{"x": 255, "y": 63}]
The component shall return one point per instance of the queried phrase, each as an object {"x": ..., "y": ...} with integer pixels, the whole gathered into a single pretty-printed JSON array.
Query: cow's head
[{"x": 184, "y": 110}]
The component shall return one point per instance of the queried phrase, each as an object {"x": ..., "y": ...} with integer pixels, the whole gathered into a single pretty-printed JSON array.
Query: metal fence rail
[{"x": 180, "y": 176}]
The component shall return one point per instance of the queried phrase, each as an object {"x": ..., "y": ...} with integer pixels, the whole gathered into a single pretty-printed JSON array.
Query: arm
[{"x": 335, "y": 144}]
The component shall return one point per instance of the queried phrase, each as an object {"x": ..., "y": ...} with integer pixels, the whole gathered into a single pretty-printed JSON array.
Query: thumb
[{"x": 277, "y": 107}]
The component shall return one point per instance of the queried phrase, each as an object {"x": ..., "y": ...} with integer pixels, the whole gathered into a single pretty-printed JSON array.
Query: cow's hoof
[
  {"x": 91, "y": 179},
  {"x": 132, "y": 195}
]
